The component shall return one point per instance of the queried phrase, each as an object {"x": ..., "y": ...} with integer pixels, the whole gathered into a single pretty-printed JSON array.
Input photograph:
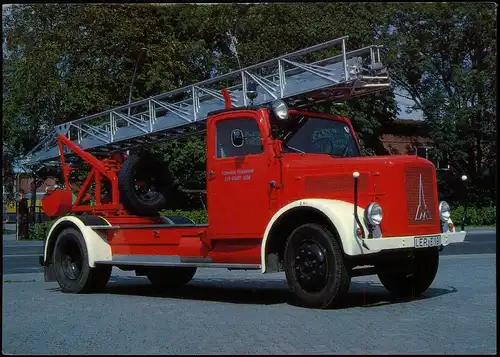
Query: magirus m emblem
[{"x": 422, "y": 213}]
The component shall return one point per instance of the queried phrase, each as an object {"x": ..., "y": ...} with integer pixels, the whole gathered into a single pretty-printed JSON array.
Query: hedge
[
  {"x": 39, "y": 231},
  {"x": 198, "y": 217},
  {"x": 484, "y": 216}
]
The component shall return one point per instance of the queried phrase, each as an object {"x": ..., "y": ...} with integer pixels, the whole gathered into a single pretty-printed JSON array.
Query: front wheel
[
  {"x": 71, "y": 265},
  {"x": 314, "y": 267},
  {"x": 414, "y": 277}
]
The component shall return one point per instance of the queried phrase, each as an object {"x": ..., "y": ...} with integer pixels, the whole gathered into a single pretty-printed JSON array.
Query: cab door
[{"x": 237, "y": 175}]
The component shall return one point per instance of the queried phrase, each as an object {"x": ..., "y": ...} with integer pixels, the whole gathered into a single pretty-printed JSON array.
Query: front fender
[
  {"x": 97, "y": 245},
  {"x": 341, "y": 215}
]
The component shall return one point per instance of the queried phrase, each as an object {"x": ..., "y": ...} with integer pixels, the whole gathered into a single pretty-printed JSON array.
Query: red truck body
[{"x": 241, "y": 201}]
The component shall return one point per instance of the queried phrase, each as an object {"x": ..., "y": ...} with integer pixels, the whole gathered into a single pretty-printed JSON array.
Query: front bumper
[{"x": 391, "y": 243}]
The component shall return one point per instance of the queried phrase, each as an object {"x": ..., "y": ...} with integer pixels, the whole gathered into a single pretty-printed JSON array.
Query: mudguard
[
  {"x": 98, "y": 248},
  {"x": 340, "y": 213}
]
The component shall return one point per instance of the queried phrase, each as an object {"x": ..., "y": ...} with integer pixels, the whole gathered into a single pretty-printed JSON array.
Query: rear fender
[
  {"x": 340, "y": 214},
  {"x": 96, "y": 242}
]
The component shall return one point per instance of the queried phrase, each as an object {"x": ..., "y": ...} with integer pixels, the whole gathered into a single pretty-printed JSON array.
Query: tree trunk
[{"x": 33, "y": 200}]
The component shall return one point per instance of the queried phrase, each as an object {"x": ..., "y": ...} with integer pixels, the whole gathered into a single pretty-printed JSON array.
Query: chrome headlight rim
[
  {"x": 374, "y": 214},
  {"x": 444, "y": 211}
]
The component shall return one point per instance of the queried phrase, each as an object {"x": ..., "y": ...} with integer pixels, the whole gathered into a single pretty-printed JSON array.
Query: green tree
[
  {"x": 69, "y": 61},
  {"x": 444, "y": 56}
]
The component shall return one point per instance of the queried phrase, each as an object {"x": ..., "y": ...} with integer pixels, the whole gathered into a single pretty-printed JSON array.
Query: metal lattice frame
[{"x": 162, "y": 117}]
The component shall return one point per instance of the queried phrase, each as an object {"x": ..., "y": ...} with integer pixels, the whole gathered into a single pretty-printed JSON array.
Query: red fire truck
[{"x": 287, "y": 189}]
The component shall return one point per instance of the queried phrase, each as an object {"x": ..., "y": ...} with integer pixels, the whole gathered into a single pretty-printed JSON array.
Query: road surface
[
  {"x": 223, "y": 312},
  {"x": 22, "y": 257}
]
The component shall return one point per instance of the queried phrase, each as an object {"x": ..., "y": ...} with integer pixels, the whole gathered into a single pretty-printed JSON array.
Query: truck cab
[
  {"x": 272, "y": 170},
  {"x": 256, "y": 160}
]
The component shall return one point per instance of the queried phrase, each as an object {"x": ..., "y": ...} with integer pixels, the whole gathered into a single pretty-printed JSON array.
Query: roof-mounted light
[
  {"x": 251, "y": 91},
  {"x": 280, "y": 109}
]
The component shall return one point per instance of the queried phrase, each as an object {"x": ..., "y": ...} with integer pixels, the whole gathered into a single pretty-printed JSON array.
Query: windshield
[{"x": 321, "y": 136}]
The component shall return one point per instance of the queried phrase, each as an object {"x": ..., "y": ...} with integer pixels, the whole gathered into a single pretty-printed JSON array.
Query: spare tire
[{"x": 144, "y": 184}]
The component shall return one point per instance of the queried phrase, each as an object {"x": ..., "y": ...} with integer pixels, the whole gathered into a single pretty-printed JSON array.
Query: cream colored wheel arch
[
  {"x": 98, "y": 248},
  {"x": 341, "y": 215}
]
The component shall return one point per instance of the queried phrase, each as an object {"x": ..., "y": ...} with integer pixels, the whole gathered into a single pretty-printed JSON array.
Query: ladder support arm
[{"x": 98, "y": 167}]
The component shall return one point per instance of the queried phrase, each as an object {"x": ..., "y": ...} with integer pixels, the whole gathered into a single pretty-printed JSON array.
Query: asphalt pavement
[
  {"x": 232, "y": 313},
  {"x": 222, "y": 312},
  {"x": 22, "y": 256}
]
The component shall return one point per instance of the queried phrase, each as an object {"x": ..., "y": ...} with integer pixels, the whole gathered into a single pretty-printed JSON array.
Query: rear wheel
[
  {"x": 170, "y": 277},
  {"x": 315, "y": 269},
  {"x": 71, "y": 267},
  {"x": 412, "y": 277}
]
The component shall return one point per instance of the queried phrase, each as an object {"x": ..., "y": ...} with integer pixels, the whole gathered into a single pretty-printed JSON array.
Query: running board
[
  {"x": 172, "y": 261},
  {"x": 149, "y": 226}
]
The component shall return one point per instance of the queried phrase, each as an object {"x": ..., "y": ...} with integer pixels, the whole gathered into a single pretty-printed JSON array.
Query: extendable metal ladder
[{"x": 184, "y": 111}]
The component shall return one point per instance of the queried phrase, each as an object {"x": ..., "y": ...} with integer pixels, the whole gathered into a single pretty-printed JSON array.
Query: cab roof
[{"x": 215, "y": 112}]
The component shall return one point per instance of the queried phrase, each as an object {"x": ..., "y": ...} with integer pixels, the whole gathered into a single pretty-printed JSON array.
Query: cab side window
[{"x": 251, "y": 145}]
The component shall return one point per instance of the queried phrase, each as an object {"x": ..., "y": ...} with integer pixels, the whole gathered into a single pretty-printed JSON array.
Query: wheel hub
[
  {"x": 146, "y": 189},
  {"x": 310, "y": 266},
  {"x": 71, "y": 262}
]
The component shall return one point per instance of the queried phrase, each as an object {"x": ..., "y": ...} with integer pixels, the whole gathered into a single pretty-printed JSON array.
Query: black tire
[
  {"x": 170, "y": 277},
  {"x": 410, "y": 278},
  {"x": 71, "y": 265},
  {"x": 144, "y": 167},
  {"x": 314, "y": 267}
]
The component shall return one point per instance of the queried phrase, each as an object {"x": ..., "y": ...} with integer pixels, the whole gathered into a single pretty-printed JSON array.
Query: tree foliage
[
  {"x": 444, "y": 55},
  {"x": 70, "y": 60}
]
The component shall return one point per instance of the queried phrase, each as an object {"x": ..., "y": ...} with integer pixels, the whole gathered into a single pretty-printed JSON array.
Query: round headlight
[
  {"x": 374, "y": 214},
  {"x": 444, "y": 211},
  {"x": 280, "y": 109}
]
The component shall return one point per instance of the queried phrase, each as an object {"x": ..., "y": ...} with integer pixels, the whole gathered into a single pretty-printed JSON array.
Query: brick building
[
  {"x": 24, "y": 182},
  {"x": 409, "y": 137},
  {"x": 404, "y": 137}
]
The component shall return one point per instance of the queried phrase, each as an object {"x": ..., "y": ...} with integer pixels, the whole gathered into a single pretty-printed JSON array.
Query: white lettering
[{"x": 238, "y": 175}]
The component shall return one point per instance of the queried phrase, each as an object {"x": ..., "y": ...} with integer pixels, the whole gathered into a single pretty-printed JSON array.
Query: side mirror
[{"x": 237, "y": 138}]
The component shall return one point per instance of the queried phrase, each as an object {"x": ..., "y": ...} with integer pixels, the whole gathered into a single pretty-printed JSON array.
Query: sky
[{"x": 405, "y": 104}]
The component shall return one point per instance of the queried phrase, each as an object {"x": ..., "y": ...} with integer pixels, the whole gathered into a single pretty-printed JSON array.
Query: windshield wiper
[{"x": 294, "y": 149}]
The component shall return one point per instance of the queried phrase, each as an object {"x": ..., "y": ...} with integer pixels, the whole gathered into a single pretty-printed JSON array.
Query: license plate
[{"x": 426, "y": 242}]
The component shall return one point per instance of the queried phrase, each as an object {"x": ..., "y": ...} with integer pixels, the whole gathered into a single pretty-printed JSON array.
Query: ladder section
[{"x": 324, "y": 72}]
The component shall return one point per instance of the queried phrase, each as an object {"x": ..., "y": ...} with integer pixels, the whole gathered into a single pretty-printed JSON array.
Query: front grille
[{"x": 420, "y": 197}]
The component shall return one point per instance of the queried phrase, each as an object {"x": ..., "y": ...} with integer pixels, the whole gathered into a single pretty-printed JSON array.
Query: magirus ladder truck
[{"x": 287, "y": 189}]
